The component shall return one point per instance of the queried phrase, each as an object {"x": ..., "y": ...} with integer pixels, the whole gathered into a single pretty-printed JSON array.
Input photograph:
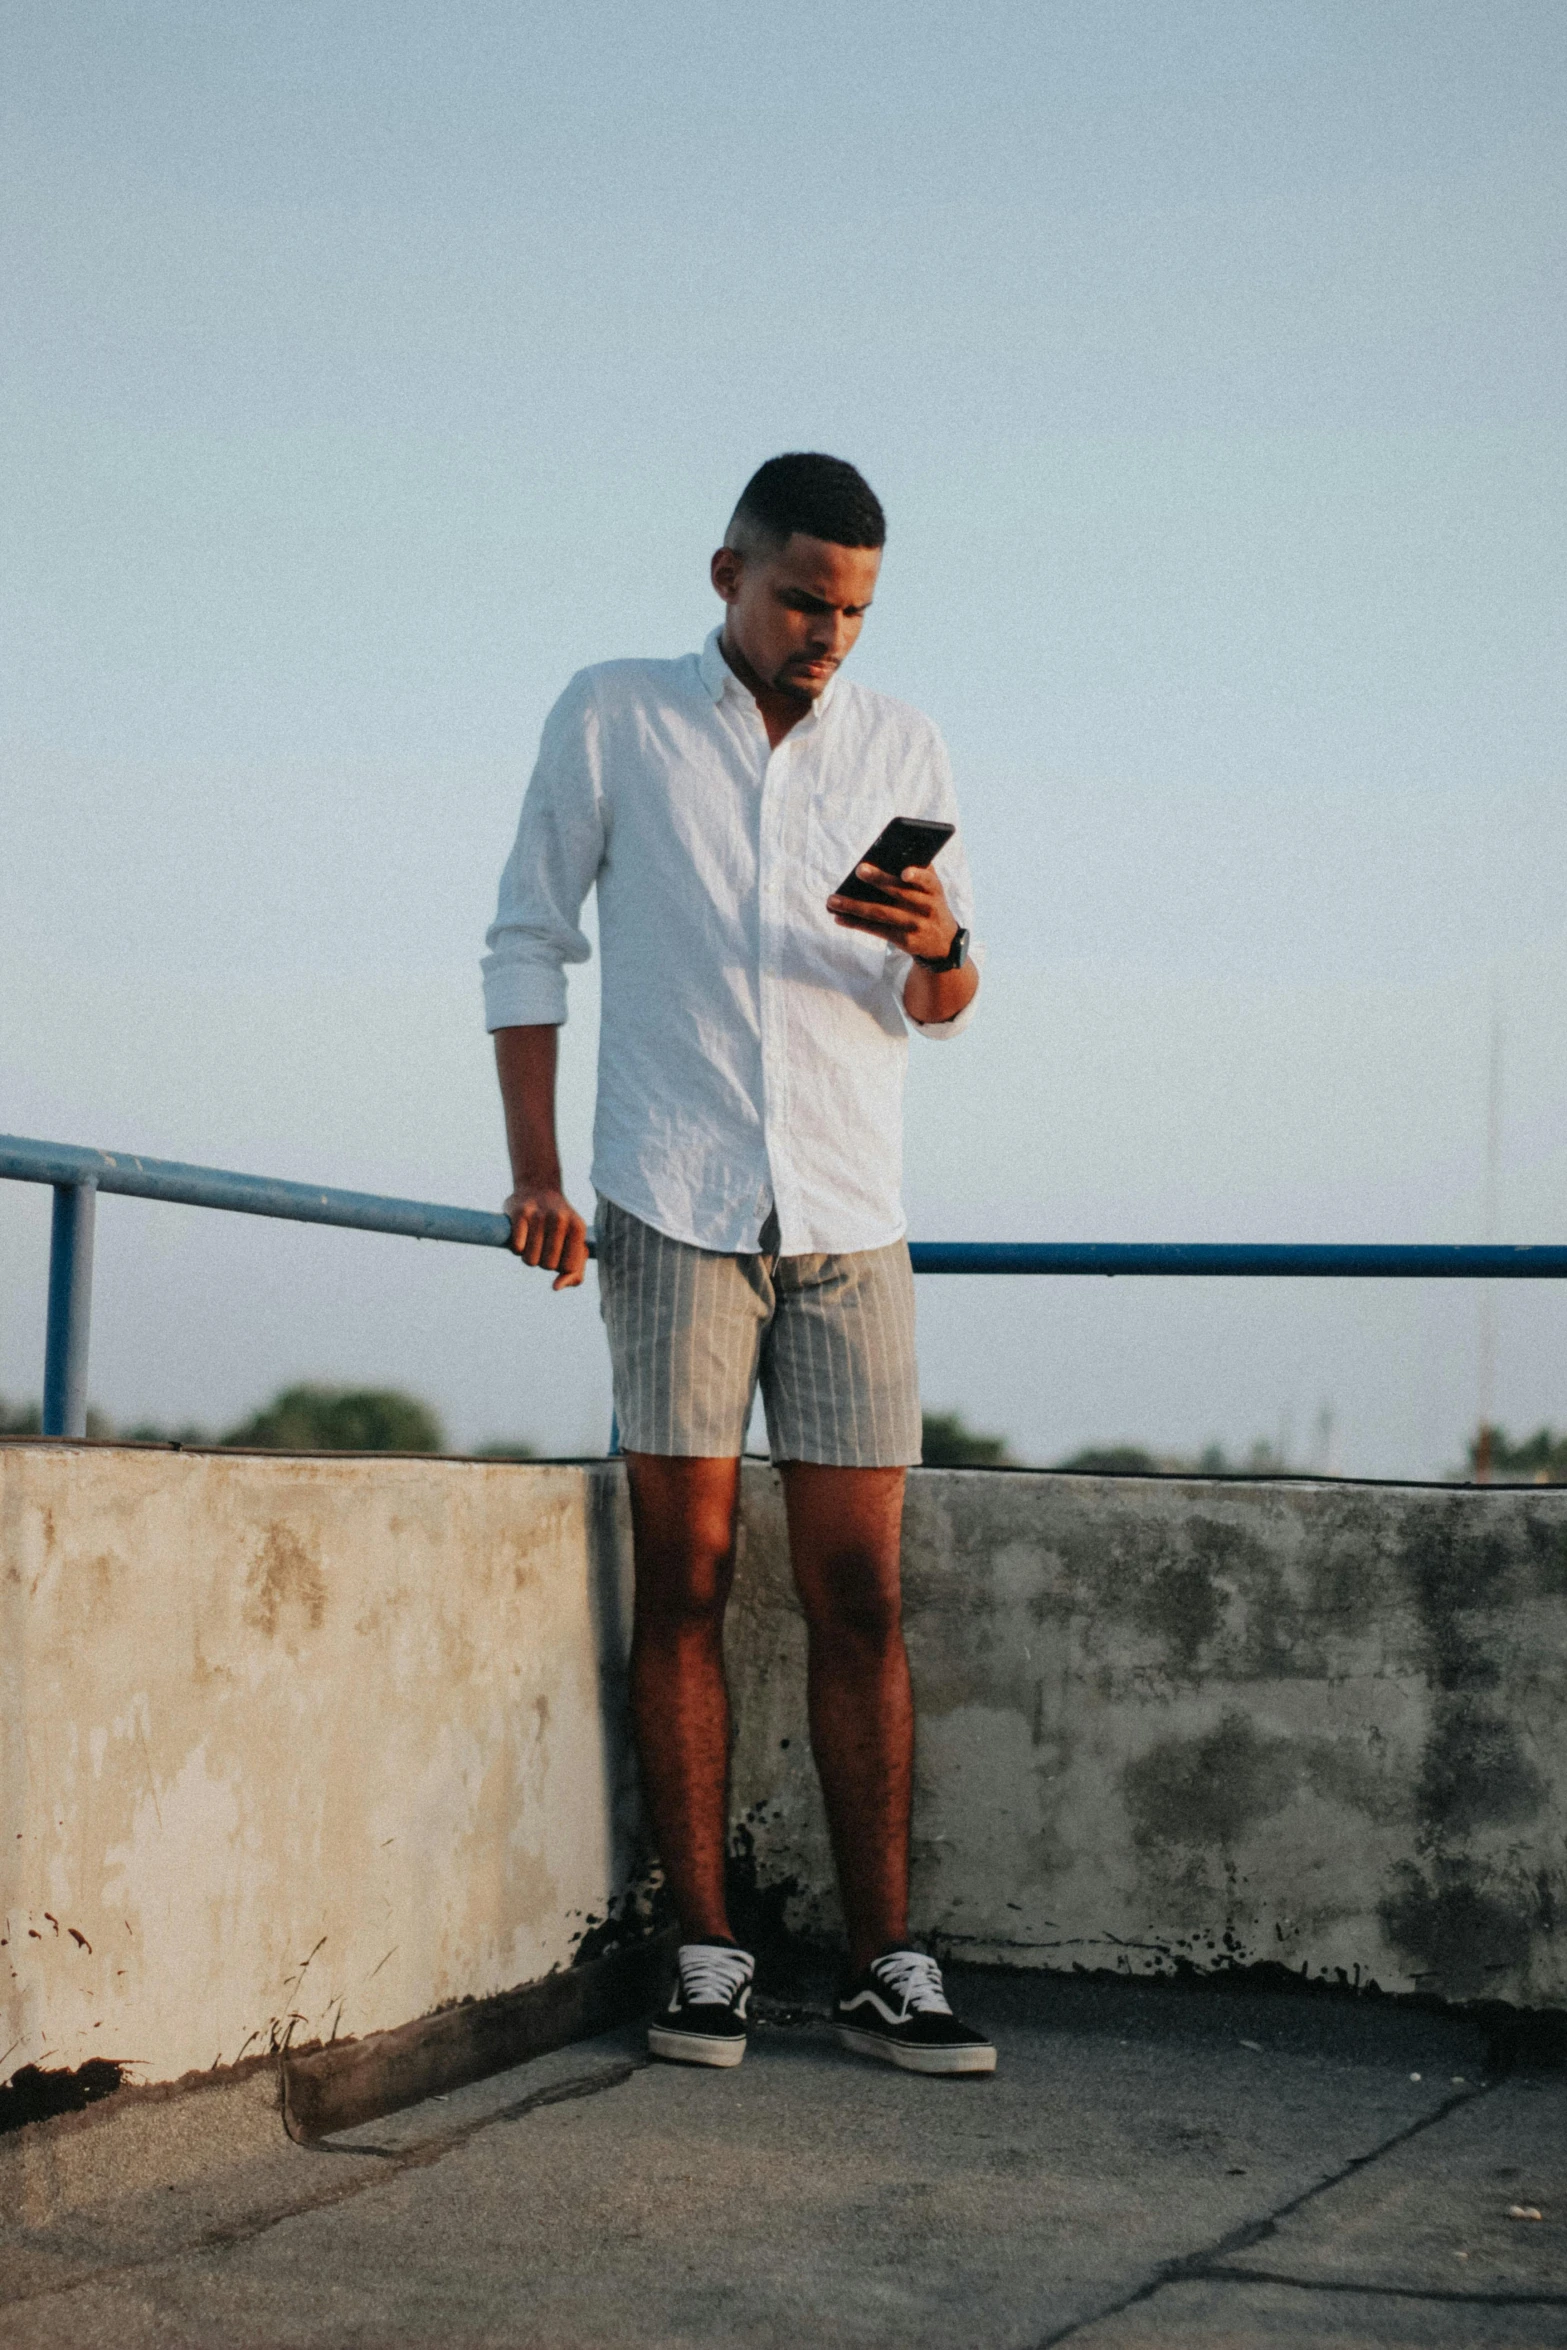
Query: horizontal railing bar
[
  {"x": 1324, "y": 1260},
  {"x": 247, "y": 1195},
  {"x": 28, "y": 1161}
]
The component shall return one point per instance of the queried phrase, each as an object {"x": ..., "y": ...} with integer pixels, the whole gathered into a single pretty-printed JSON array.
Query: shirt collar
[
  {"x": 719, "y": 678},
  {"x": 716, "y": 672}
]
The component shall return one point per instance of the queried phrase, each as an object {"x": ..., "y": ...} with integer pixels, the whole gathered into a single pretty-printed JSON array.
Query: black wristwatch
[{"x": 954, "y": 958}]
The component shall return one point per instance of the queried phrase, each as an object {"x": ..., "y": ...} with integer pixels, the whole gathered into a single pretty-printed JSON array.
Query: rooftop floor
[{"x": 1147, "y": 2167}]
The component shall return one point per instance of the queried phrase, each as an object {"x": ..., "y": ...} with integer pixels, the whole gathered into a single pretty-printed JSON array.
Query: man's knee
[
  {"x": 683, "y": 1577},
  {"x": 857, "y": 1601},
  {"x": 684, "y": 1592},
  {"x": 683, "y": 1525}
]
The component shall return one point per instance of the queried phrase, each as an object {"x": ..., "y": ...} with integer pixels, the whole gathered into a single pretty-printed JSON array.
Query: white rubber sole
[
  {"x": 692, "y": 2047},
  {"x": 918, "y": 2060}
]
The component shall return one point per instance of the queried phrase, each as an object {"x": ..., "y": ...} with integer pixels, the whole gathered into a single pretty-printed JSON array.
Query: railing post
[{"x": 70, "y": 1309}]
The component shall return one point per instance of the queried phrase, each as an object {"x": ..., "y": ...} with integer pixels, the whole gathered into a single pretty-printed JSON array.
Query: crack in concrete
[
  {"x": 1206, "y": 2266},
  {"x": 420, "y": 2156}
]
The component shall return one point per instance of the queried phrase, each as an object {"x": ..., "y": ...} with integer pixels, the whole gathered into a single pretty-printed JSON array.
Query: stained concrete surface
[
  {"x": 1148, "y": 2166},
  {"x": 297, "y": 1746},
  {"x": 312, "y": 1747},
  {"x": 1313, "y": 1723}
]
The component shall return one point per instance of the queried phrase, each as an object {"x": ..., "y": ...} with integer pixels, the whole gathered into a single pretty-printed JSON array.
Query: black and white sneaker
[
  {"x": 898, "y": 2011},
  {"x": 705, "y": 2020}
]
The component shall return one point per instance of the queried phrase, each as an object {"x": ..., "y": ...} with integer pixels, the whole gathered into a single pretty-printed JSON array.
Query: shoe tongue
[
  {"x": 714, "y": 1969},
  {"x": 914, "y": 1975},
  {"x": 893, "y": 1953}
]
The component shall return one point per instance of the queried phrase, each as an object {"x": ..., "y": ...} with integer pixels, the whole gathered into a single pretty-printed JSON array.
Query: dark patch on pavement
[{"x": 31, "y": 2095}]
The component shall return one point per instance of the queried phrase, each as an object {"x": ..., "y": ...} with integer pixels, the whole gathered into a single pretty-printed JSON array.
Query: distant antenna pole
[{"x": 1493, "y": 1184}]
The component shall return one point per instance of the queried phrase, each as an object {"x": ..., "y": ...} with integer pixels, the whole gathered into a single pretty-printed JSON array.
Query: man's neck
[{"x": 780, "y": 711}]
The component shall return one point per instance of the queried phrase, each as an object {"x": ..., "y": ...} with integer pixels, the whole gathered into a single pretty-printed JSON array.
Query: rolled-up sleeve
[
  {"x": 936, "y": 797},
  {"x": 553, "y": 864}
]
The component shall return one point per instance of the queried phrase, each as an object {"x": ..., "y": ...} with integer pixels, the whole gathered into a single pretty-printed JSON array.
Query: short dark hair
[{"x": 822, "y": 497}]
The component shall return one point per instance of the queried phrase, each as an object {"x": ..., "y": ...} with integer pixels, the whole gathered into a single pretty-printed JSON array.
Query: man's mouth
[{"x": 800, "y": 673}]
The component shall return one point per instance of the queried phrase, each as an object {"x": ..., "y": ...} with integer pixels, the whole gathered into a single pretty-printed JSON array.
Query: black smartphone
[{"x": 907, "y": 840}]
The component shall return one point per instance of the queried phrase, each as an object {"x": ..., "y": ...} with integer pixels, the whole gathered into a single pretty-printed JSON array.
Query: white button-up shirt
[{"x": 751, "y": 1052}]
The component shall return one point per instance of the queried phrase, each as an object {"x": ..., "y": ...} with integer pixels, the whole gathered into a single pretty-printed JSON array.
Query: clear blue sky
[{"x": 369, "y": 369}]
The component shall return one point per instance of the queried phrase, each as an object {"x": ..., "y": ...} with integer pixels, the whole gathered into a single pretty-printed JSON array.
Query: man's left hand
[{"x": 915, "y": 917}]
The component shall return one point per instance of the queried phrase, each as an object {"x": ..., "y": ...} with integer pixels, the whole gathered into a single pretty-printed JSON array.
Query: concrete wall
[
  {"x": 324, "y": 1743},
  {"x": 321, "y": 1742},
  {"x": 1319, "y": 1724}
]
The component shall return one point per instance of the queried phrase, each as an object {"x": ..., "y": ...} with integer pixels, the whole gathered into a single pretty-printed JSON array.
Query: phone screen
[{"x": 907, "y": 840}]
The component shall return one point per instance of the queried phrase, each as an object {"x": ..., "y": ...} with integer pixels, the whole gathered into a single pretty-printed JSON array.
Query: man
[{"x": 747, "y": 1151}]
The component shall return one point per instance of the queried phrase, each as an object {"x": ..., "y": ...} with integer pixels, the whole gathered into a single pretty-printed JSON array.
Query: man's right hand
[{"x": 547, "y": 1230}]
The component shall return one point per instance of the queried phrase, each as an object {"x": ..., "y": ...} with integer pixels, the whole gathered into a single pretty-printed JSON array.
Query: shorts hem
[
  {"x": 681, "y": 1452},
  {"x": 819, "y": 1460}
]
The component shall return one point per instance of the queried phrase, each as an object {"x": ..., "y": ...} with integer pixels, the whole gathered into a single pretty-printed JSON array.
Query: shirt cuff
[
  {"x": 940, "y": 1031},
  {"x": 520, "y": 995}
]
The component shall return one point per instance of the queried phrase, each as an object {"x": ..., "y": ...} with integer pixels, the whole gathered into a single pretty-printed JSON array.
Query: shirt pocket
[{"x": 838, "y": 838}]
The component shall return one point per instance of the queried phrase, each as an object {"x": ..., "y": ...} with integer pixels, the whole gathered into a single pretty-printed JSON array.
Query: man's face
[{"x": 795, "y": 614}]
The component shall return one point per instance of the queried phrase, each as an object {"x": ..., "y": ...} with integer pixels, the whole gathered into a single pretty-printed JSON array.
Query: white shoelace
[
  {"x": 913, "y": 1978},
  {"x": 710, "y": 1975}
]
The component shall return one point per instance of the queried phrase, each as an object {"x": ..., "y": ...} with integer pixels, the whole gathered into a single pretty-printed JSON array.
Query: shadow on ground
[{"x": 1145, "y": 2168}]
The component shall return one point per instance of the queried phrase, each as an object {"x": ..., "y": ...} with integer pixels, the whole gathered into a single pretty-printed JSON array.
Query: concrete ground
[{"x": 1148, "y": 2167}]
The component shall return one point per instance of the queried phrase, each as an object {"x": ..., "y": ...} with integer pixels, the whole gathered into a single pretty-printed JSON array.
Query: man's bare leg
[
  {"x": 845, "y": 1527},
  {"x": 845, "y": 1530},
  {"x": 683, "y": 1532}
]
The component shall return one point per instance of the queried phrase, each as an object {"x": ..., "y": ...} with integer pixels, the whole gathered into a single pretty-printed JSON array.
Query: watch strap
[{"x": 954, "y": 958}]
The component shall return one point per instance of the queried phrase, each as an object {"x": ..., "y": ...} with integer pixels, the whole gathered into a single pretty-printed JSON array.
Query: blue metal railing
[{"x": 78, "y": 1176}]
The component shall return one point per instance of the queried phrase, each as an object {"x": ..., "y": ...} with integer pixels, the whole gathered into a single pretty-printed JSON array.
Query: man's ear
[{"x": 725, "y": 570}]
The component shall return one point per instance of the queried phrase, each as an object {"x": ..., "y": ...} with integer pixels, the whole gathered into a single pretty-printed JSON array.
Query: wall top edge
[{"x": 1550, "y": 1496}]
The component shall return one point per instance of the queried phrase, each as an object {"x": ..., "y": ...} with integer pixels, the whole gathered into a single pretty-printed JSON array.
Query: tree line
[
  {"x": 308, "y": 1417},
  {"x": 314, "y": 1417}
]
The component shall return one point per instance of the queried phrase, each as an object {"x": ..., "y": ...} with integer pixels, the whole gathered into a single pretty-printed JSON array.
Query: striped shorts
[{"x": 691, "y": 1330}]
